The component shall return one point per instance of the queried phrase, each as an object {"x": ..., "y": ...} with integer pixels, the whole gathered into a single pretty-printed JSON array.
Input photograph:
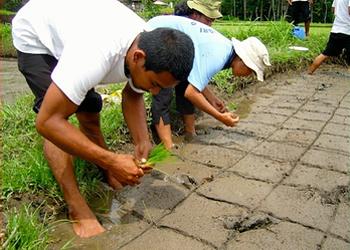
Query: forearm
[
  {"x": 135, "y": 115},
  {"x": 52, "y": 123},
  {"x": 208, "y": 94},
  {"x": 198, "y": 99}
]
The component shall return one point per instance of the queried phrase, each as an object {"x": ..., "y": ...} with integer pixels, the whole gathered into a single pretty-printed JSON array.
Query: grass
[{"x": 25, "y": 230}]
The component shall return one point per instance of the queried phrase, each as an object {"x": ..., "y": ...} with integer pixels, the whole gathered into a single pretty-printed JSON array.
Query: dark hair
[
  {"x": 168, "y": 50},
  {"x": 182, "y": 9}
]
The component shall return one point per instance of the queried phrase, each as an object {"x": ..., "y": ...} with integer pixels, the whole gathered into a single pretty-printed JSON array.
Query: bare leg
[
  {"x": 316, "y": 63},
  {"x": 307, "y": 28},
  {"x": 85, "y": 223},
  {"x": 164, "y": 133},
  {"x": 189, "y": 122},
  {"x": 89, "y": 124}
]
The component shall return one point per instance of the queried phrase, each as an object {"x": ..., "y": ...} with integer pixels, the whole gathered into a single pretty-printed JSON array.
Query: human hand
[
  {"x": 229, "y": 119},
  {"x": 219, "y": 105},
  {"x": 290, "y": 2},
  {"x": 125, "y": 170},
  {"x": 141, "y": 154}
]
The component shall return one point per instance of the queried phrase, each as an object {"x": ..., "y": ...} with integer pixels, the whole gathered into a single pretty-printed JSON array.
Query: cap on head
[
  {"x": 254, "y": 54},
  {"x": 209, "y": 8}
]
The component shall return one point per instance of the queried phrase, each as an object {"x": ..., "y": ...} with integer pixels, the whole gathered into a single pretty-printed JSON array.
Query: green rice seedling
[{"x": 158, "y": 154}]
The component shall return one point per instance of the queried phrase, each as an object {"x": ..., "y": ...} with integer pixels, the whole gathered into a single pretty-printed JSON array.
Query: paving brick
[
  {"x": 285, "y": 235},
  {"x": 230, "y": 139},
  {"x": 343, "y": 112},
  {"x": 236, "y": 190},
  {"x": 318, "y": 178},
  {"x": 153, "y": 198},
  {"x": 333, "y": 142},
  {"x": 300, "y": 205},
  {"x": 341, "y": 119},
  {"x": 272, "y": 110},
  {"x": 261, "y": 168},
  {"x": 327, "y": 159},
  {"x": 271, "y": 119},
  {"x": 203, "y": 218},
  {"x": 281, "y": 151},
  {"x": 160, "y": 239},
  {"x": 255, "y": 129},
  {"x": 304, "y": 137},
  {"x": 341, "y": 224},
  {"x": 337, "y": 129},
  {"x": 294, "y": 123},
  {"x": 332, "y": 243},
  {"x": 309, "y": 115},
  {"x": 213, "y": 155},
  {"x": 318, "y": 107},
  {"x": 176, "y": 169}
]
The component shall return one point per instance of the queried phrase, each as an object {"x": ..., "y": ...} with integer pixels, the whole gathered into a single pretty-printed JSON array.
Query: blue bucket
[{"x": 298, "y": 32}]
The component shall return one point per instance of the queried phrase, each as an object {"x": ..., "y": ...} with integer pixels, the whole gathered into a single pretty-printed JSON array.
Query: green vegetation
[
  {"x": 159, "y": 154},
  {"x": 7, "y": 49},
  {"x": 25, "y": 230}
]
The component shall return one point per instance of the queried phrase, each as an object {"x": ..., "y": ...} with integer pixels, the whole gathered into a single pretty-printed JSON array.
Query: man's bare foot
[{"x": 85, "y": 224}]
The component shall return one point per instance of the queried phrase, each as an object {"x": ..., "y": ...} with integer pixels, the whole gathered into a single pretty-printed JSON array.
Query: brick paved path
[{"x": 279, "y": 180}]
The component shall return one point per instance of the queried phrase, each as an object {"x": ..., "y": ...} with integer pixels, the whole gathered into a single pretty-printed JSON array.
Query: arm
[
  {"x": 52, "y": 123},
  {"x": 200, "y": 102},
  {"x": 135, "y": 116},
  {"x": 214, "y": 101},
  {"x": 289, "y": 2}
]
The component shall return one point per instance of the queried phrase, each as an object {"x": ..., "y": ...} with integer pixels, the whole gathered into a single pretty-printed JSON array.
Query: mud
[{"x": 279, "y": 180}]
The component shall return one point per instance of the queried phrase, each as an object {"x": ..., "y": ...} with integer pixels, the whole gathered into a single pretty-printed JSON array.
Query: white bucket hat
[{"x": 254, "y": 54}]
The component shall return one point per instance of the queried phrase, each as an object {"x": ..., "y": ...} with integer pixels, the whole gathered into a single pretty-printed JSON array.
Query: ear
[{"x": 138, "y": 55}]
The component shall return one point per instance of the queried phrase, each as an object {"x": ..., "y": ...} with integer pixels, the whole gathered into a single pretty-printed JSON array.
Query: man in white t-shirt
[
  {"x": 299, "y": 12},
  {"x": 65, "y": 48},
  {"x": 339, "y": 38}
]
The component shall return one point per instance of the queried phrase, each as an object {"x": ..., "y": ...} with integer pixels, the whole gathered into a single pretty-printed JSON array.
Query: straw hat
[
  {"x": 254, "y": 54},
  {"x": 209, "y": 8}
]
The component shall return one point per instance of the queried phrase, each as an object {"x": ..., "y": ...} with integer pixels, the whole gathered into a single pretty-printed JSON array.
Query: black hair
[
  {"x": 182, "y": 9},
  {"x": 168, "y": 50}
]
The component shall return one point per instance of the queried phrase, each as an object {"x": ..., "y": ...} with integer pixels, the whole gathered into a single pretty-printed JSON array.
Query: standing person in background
[
  {"x": 213, "y": 53},
  {"x": 204, "y": 11},
  {"x": 300, "y": 11},
  {"x": 63, "y": 54},
  {"x": 339, "y": 37}
]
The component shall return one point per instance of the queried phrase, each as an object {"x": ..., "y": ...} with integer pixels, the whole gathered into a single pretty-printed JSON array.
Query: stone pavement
[{"x": 279, "y": 180}]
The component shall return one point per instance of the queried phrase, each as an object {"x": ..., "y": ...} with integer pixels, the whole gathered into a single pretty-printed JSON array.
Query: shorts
[
  {"x": 299, "y": 12},
  {"x": 37, "y": 69},
  {"x": 161, "y": 103},
  {"x": 336, "y": 43}
]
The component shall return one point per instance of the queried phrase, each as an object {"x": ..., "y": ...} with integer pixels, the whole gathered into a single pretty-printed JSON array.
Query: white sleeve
[{"x": 80, "y": 69}]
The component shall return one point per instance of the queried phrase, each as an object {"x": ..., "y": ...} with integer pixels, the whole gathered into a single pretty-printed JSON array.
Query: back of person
[
  {"x": 212, "y": 49},
  {"x": 67, "y": 24}
]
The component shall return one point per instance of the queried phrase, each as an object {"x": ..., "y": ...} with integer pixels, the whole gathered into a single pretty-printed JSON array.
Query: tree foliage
[{"x": 272, "y": 10}]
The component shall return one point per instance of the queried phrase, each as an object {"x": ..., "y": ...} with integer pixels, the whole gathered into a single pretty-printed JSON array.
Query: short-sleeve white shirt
[
  {"x": 341, "y": 22},
  {"x": 89, "y": 39}
]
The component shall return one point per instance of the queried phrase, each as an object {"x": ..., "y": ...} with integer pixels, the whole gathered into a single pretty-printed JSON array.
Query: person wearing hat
[
  {"x": 204, "y": 11},
  {"x": 213, "y": 53}
]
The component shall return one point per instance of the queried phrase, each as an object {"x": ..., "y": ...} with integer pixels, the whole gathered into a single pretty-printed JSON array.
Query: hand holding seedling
[
  {"x": 158, "y": 154},
  {"x": 229, "y": 119}
]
